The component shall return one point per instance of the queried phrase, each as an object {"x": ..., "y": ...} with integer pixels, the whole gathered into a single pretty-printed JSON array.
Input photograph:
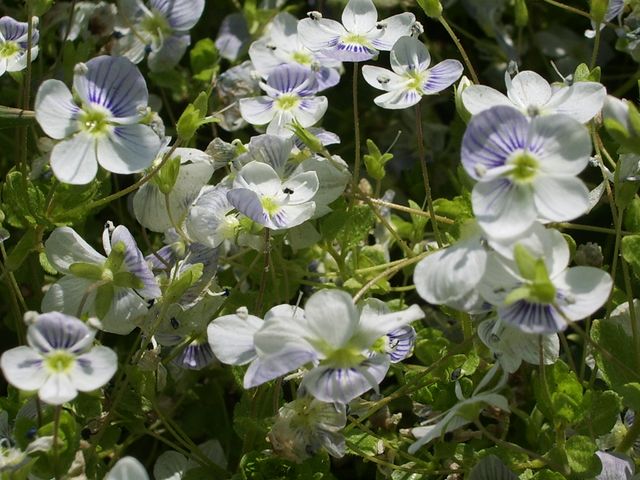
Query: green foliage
[
  {"x": 204, "y": 60},
  {"x": 616, "y": 358},
  {"x": 375, "y": 160}
]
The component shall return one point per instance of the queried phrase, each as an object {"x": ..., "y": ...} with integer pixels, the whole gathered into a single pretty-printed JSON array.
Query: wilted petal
[{"x": 55, "y": 109}]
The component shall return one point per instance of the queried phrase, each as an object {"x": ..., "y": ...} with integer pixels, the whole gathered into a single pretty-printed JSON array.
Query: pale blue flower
[
  {"x": 106, "y": 128},
  {"x": 14, "y": 43},
  {"x": 60, "y": 360},
  {"x": 290, "y": 96}
]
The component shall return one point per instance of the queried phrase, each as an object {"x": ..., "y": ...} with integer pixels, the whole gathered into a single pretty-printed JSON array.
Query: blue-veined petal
[
  {"x": 400, "y": 343},
  {"x": 195, "y": 356},
  {"x": 181, "y": 14},
  {"x": 310, "y": 110},
  {"x": 257, "y": 110},
  {"x": 57, "y": 331},
  {"x": 491, "y": 137},
  {"x": 169, "y": 54},
  {"x": 533, "y": 317},
  {"x": 398, "y": 99},
  {"x": 266, "y": 368},
  {"x": 293, "y": 78},
  {"x": 343, "y": 384},
  {"x": 321, "y": 34},
  {"x": 114, "y": 83},
  {"x": 22, "y": 367},
  {"x": 231, "y": 338},
  {"x": 441, "y": 76},
  {"x": 126, "y": 308},
  {"x": 135, "y": 262},
  {"x": 290, "y": 215},
  {"x": 248, "y": 203},
  {"x": 128, "y": 149},
  {"x": 94, "y": 369},
  {"x": 394, "y": 27}
]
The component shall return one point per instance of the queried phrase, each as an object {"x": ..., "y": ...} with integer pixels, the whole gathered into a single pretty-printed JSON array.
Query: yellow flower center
[
  {"x": 94, "y": 120},
  {"x": 60, "y": 361},
  {"x": 526, "y": 167},
  {"x": 8, "y": 49},
  {"x": 287, "y": 101}
]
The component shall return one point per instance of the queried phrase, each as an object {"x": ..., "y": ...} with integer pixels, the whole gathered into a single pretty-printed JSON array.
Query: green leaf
[
  {"x": 631, "y": 221},
  {"x": 582, "y": 458},
  {"x": 618, "y": 365},
  {"x": 18, "y": 254},
  {"x": 560, "y": 397},
  {"x": 176, "y": 289},
  {"x": 204, "y": 60},
  {"x": 23, "y": 202},
  {"x": 491, "y": 468},
  {"x": 375, "y": 161},
  {"x": 168, "y": 175},
  {"x": 104, "y": 298},
  {"x": 631, "y": 252},
  {"x": 89, "y": 271},
  {"x": 631, "y": 395},
  {"x": 362, "y": 442},
  {"x": 602, "y": 412}
]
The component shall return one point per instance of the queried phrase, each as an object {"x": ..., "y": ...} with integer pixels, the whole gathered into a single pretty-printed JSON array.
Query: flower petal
[
  {"x": 126, "y": 307},
  {"x": 127, "y": 468},
  {"x": 382, "y": 78},
  {"x": 442, "y": 76},
  {"x": 527, "y": 89},
  {"x": 114, "y": 83},
  {"x": 57, "y": 389},
  {"x": 267, "y": 368},
  {"x": 22, "y": 367},
  {"x": 581, "y": 101},
  {"x": 394, "y": 27},
  {"x": 290, "y": 216},
  {"x": 231, "y": 338},
  {"x": 169, "y": 54},
  {"x": 478, "y": 98},
  {"x": 66, "y": 294},
  {"x": 583, "y": 291},
  {"x": 74, "y": 160},
  {"x": 491, "y": 137},
  {"x": 359, "y": 16},
  {"x": 559, "y": 199},
  {"x": 341, "y": 385},
  {"x": 532, "y": 317},
  {"x": 94, "y": 369},
  {"x": 310, "y": 110},
  {"x": 248, "y": 203},
  {"x": 321, "y": 34},
  {"x": 409, "y": 55},
  {"x": 304, "y": 186},
  {"x": 502, "y": 208},
  {"x": 55, "y": 109},
  {"x": 375, "y": 324},
  {"x": 181, "y": 14},
  {"x": 398, "y": 99},
  {"x": 57, "y": 331},
  {"x": 258, "y": 177},
  {"x": 332, "y": 316},
  {"x": 257, "y": 110},
  {"x": 65, "y": 247},
  {"x": 128, "y": 149},
  {"x": 135, "y": 262}
]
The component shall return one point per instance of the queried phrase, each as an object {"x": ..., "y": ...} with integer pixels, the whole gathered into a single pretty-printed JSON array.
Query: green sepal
[
  {"x": 599, "y": 10},
  {"x": 104, "y": 298},
  {"x": 432, "y": 8},
  {"x": 166, "y": 178},
  {"x": 116, "y": 257},
  {"x": 521, "y": 13},
  {"x": 176, "y": 289},
  {"x": 526, "y": 262},
  {"x": 90, "y": 271},
  {"x": 375, "y": 161},
  {"x": 127, "y": 280}
]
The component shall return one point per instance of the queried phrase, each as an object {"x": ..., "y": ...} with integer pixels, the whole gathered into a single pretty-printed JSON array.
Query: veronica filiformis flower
[
  {"x": 127, "y": 468},
  {"x": 158, "y": 27},
  {"x": 511, "y": 346},
  {"x": 463, "y": 412},
  {"x": 107, "y": 127},
  {"x": 526, "y": 170},
  {"x": 533, "y": 96},
  {"x": 410, "y": 76},
  {"x": 60, "y": 360},
  {"x": 262, "y": 195},
  {"x": 305, "y": 426},
  {"x": 113, "y": 288},
  {"x": 349, "y": 348},
  {"x": 157, "y": 213},
  {"x": 14, "y": 38},
  {"x": 281, "y": 45},
  {"x": 530, "y": 285},
  {"x": 360, "y": 35},
  {"x": 290, "y": 95}
]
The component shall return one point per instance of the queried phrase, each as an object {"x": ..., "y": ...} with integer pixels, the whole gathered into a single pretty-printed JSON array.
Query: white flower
[
  {"x": 113, "y": 288},
  {"x": 149, "y": 203},
  {"x": 411, "y": 77},
  {"x": 360, "y": 35},
  {"x": 60, "y": 360},
  {"x": 534, "y": 290},
  {"x": 210, "y": 220},
  {"x": 172, "y": 465},
  {"x": 290, "y": 96},
  {"x": 533, "y": 96},
  {"x": 463, "y": 412},
  {"x": 259, "y": 193},
  {"x": 350, "y": 349},
  {"x": 14, "y": 42},
  {"x": 160, "y": 28},
  {"x": 526, "y": 169},
  {"x": 282, "y": 45},
  {"x": 106, "y": 128}
]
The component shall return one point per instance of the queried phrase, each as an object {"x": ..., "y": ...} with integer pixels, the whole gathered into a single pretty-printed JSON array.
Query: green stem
[
  {"x": 461, "y": 49},
  {"x": 405, "y": 248},
  {"x": 425, "y": 174},
  {"x": 403, "y": 208},
  {"x": 356, "y": 130},
  {"x": 56, "y": 431},
  {"x": 568, "y": 8},
  {"x": 635, "y": 328},
  {"x": 596, "y": 48},
  {"x": 386, "y": 273},
  {"x": 265, "y": 269}
]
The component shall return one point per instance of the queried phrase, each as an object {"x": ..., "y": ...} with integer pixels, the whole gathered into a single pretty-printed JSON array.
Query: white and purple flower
[
  {"x": 360, "y": 35},
  {"x": 410, "y": 76},
  {"x": 14, "y": 42},
  {"x": 113, "y": 288},
  {"x": 290, "y": 96},
  {"x": 60, "y": 360},
  {"x": 107, "y": 128},
  {"x": 160, "y": 28},
  {"x": 526, "y": 169}
]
